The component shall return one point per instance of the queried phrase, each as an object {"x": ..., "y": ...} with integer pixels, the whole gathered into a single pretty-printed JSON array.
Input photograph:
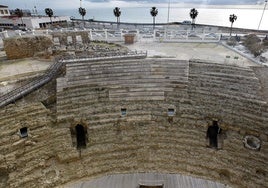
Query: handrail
[{"x": 53, "y": 70}]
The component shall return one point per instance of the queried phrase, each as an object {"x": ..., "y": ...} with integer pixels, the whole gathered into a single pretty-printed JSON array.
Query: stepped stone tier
[{"x": 140, "y": 116}]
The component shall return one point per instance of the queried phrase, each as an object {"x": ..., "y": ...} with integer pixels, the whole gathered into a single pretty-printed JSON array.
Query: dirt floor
[{"x": 16, "y": 72}]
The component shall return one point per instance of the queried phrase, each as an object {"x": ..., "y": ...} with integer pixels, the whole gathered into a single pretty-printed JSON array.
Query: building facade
[
  {"x": 4, "y": 11},
  {"x": 9, "y": 21}
]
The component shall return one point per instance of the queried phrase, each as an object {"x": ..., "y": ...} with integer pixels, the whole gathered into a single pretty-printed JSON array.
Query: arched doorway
[
  {"x": 80, "y": 136},
  {"x": 213, "y": 133}
]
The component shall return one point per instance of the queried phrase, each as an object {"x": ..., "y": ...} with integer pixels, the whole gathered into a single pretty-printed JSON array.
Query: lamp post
[
  {"x": 262, "y": 13},
  {"x": 168, "y": 11}
]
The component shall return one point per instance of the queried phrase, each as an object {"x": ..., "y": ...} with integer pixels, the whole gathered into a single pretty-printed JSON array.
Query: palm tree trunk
[
  {"x": 154, "y": 22},
  {"x": 83, "y": 20},
  {"x": 117, "y": 20},
  {"x": 231, "y": 29}
]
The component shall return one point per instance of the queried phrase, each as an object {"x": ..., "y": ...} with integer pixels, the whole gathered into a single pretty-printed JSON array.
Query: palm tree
[
  {"x": 82, "y": 12},
  {"x": 19, "y": 13},
  {"x": 117, "y": 14},
  {"x": 232, "y": 18},
  {"x": 193, "y": 15},
  {"x": 49, "y": 12},
  {"x": 154, "y": 12}
]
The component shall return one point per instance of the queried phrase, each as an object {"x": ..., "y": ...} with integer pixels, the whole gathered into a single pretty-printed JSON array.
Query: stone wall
[
  {"x": 67, "y": 38},
  {"x": 25, "y": 162},
  {"x": 23, "y": 47},
  {"x": 139, "y": 116}
]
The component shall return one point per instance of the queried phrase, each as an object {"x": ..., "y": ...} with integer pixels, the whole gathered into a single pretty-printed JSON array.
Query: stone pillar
[
  {"x": 6, "y": 34},
  {"x": 154, "y": 34},
  {"x": 138, "y": 34},
  {"x": 106, "y": 34},
  {"x": 121, "y": 31},
  {"x": 90, "y": 34}
]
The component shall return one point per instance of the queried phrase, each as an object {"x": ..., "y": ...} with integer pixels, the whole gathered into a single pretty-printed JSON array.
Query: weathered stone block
[{"x": 17, "y": 48}]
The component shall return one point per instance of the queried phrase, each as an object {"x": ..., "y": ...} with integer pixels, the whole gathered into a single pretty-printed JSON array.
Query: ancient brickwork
[
  {"x": 23, "y": 47},
  {"x": 24, "y": 162},
  {"x": 139, "y": 116},
  {"x": 67, "y": 38}
]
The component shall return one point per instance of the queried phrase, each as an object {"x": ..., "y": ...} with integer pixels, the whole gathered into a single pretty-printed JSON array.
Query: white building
[
  {"x": 4, "y": 11},
  {"x": 34, "y": 22},
  {"x": 44, "y": 21}
]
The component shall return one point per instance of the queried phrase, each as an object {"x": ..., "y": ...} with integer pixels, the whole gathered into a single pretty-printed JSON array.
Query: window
[
  {"x": 123, "y": 111},
  {"x": 171, "y": 112},
  {"x": 24, "y": 132},
  {"x": 6, "y": 12},
  {"x": 80, "y": 136}
]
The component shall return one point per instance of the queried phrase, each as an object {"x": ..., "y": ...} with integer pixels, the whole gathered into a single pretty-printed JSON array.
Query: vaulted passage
[
  {"x": 80, "y": 136},
  {"x": 212, "y": 134}
]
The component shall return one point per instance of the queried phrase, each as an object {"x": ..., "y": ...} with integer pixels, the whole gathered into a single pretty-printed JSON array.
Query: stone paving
[{"x": 207, "y": 51}]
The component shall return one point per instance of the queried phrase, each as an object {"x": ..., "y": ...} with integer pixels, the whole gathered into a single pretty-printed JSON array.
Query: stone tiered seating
[
  {"x": 139, "y": 116},
  {"x": 121, "y": 81},
  {"x": 227, "y": 92},
  {"x": 145, "y": 138}
]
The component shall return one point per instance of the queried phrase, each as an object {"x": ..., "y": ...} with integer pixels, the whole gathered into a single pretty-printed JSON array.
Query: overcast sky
[{"x": 69, "y": 4}]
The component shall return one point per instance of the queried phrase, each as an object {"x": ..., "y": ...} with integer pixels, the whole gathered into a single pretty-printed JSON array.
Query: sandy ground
[
  {"x": 207, "y": 51},
  {"x": 13, "y": 73},
  {"x": 21, "y": 67}
]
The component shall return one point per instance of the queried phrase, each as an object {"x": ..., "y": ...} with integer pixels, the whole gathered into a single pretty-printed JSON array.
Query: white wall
[
  {"x": 4, "y": 12},
  {"x": 33, "y": 22}
]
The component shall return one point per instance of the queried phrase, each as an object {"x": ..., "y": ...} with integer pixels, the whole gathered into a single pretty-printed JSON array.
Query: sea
[{"x": 246, "y": 17}]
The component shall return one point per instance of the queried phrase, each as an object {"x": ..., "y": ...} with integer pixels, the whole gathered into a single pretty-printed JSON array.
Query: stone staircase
[
  {"x": 142, "y": 80},
  {"x": 52, "y": 72}
]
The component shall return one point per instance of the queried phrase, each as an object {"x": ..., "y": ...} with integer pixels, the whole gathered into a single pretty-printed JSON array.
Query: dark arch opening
[
  {"x": 212, "y": 134},
  {"x": 80, "y": 136}
]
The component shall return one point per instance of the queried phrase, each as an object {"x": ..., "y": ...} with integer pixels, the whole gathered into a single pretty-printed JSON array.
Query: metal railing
[
  {"x": 116, "y": 35},
  {"x": 54, "y": 69}
]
